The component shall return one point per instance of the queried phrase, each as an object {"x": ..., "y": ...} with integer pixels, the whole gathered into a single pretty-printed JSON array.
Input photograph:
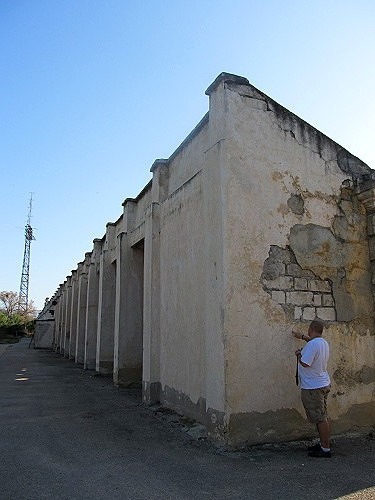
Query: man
[{"x": 315, "y": 385}]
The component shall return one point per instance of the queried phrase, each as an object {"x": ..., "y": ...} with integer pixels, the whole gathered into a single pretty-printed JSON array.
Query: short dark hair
[{"x": 317, "y": 326}]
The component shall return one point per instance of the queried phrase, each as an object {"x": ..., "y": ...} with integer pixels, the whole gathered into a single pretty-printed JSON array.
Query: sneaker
[
  {"x": 319, "y": 453},
  {"x": 316, "y": 447}
]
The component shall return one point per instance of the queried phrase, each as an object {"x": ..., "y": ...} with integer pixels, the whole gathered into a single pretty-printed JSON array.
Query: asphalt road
[{"x": 67, "y": 433}]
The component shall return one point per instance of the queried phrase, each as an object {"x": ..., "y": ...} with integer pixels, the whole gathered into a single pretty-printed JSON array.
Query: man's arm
[
  {"x": 301, "y": 336},
  {"x": 299, "y": 355}
]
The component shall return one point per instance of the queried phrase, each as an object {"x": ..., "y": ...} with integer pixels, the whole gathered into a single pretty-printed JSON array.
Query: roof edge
[{"x": 226, "y": 77}]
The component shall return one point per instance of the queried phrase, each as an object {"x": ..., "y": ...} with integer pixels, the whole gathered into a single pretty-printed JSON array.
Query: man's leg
[{"x": 323, "y": 430}]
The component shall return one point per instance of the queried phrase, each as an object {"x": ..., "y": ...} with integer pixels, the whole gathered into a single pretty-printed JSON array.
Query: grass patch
[{"x": 6, "y": 338}]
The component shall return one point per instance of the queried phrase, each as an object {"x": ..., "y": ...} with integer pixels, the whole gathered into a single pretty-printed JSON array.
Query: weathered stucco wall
[
  {"x": 296, "y": 249},
  {"x": 44, "y": 333},
  {"x": 138, "y": 222},
  {"x": 189, "y": 158},
  {"x": 45, "y": 326},
  {"x": 191, "y": 344},
  {"x": 254, "y": 226},
  {"x": 182, "y": 305}
]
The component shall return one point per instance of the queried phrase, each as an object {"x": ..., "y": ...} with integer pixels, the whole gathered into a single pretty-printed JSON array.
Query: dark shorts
[{"x": 315, "y": 403}]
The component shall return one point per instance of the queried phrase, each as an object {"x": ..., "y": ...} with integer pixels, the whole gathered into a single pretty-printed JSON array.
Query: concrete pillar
[
  {"x": 62, "y": 317},
  {"x": 215, "y": 206},
  {"x": 91, "y": 325},
  {"x": 106, "y": 304},
  {"x": 81, "y": 309},
  {"x": 56, "y": 344},
  {"x": 73, "y": 315},
  {"x": 53, "y": 302},
  {"x": 128, "y": 339},
  {"x": 151, "y": 316},
  {"x": 68, "y": 306}
]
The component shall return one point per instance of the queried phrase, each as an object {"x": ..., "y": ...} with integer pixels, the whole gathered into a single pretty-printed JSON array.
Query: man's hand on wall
[
  {"x": 301, "y": 336},
  {"x": 297, "y": 335}
]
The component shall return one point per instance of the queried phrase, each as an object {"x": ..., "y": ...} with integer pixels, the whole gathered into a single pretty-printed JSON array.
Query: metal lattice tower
[{"x": 23, "y": 300}]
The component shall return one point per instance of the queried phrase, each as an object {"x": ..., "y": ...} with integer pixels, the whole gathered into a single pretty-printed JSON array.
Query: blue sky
[{"x": 92, "y": 92}]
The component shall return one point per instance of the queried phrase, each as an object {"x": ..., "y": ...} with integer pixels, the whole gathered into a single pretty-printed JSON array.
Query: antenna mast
[{"x": 23, "y": 300}]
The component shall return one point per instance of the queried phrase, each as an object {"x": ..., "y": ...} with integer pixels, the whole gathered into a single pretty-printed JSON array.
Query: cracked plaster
[
  {"x": 336, "y": 256},
  {"x": 305, "y": 135}
]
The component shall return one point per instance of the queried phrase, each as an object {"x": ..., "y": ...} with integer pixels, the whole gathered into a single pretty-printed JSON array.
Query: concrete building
[{"x": 255, "y": 225}]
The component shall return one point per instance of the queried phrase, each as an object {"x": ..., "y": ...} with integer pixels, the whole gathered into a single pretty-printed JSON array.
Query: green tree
[{"x": 13, "y": 321}]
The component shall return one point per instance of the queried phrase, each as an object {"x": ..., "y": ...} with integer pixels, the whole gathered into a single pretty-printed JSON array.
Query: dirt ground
[{"x": 67, "y": 433}]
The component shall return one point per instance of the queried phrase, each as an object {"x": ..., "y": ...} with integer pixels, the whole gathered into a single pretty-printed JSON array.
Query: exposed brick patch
[{"x": 302, "y": 295}]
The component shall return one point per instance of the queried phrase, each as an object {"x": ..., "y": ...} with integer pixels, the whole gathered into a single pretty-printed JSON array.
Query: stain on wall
[
  {"x": 212, "y": 419},
  {"x": 345, "y": 376},
  {"x": 270, "y": 426},
  {"x": 296, "y": 204}
]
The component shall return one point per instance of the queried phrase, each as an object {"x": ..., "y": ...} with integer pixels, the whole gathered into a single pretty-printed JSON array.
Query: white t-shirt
[{"x": 315, "y": 354}]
